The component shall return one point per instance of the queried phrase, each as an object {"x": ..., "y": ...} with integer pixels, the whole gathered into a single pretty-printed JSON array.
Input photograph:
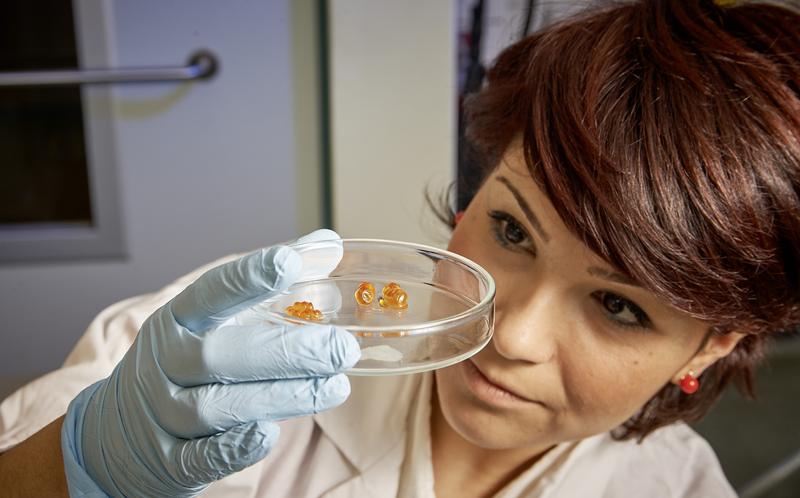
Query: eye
[
  {"x": 621, "y": 311},
  {"x": 509, "y": 233}
]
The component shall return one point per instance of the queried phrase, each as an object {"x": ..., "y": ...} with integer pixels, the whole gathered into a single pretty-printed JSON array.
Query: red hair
[{"x": 666, "y": 133}]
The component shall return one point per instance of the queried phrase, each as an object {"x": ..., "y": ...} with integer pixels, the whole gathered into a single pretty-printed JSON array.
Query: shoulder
[
  {"x": 387, "y": 399},
  {"x": 389, "y": 386},
  {"x": 677, "y": 442},
  {"x": 328, "y": 454},
  {"x": 673, "y": 461}
]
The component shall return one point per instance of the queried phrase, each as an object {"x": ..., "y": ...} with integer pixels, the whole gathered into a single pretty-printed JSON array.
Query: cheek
[{"x": 605, "y": 385}]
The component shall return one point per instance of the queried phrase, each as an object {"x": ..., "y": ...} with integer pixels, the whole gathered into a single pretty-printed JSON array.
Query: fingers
[
  {"x": 233, "y": 354},
  {"x": 227, "y": 289},
  {"x": 223, "y": 291},
  {"x": 212, "y": 408},
  {"x": 321, "y": 252},
  {"x": 321, "y": 235},
  {"x": 209, "y": 459}
]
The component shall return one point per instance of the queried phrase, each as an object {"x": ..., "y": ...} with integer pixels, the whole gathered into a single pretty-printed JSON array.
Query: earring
[
  {"x": 459, "y": 215},
  {"x": 689, "y": 383},
  {"x": 365, "y": 293}
]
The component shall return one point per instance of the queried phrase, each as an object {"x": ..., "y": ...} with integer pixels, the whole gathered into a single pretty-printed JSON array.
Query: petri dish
[{"x": 450, "y": 313}]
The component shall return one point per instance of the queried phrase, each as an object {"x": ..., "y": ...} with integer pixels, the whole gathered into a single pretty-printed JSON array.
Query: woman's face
[{"x": 581, "y": 346}]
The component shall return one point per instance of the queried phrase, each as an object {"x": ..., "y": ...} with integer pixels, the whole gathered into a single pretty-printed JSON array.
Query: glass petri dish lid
[{"x": 450, "y": 313}]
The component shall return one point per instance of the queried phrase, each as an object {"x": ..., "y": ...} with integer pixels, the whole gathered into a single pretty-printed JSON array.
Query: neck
[{"x": 482, "y": 471}]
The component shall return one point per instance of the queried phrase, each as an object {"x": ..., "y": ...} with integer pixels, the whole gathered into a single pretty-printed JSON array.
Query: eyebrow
[
  {"x": 526, "y": 209},
  {"x": 612, "y": 276}
]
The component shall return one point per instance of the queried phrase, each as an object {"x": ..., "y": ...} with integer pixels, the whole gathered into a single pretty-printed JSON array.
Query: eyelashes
[
  {"x": 509, "y": 233},
  {"x": 621, "y": 311},
  {"x": 617, "y": 310}
]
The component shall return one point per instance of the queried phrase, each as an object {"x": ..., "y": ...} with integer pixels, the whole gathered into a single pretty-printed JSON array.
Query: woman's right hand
[{"x": 196, "y": 397}]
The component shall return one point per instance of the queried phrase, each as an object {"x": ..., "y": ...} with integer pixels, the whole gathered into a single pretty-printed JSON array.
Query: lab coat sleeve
[{"x": 101, "y": 347}]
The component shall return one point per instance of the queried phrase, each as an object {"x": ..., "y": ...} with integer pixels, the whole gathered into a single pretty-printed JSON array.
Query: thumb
[
  {"x": 205, "y": 460},
  {"x": 231, "y": 287}
]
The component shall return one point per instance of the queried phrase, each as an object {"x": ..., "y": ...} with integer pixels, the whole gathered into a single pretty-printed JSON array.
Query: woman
[{"x": 640, "y": 216}]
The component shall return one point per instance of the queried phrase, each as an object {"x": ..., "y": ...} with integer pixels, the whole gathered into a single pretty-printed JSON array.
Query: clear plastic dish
[{"x": 450, "y": 314}]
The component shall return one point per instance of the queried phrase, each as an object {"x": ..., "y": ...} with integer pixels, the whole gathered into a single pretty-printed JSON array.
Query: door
[{"x": 166, "y": 175}]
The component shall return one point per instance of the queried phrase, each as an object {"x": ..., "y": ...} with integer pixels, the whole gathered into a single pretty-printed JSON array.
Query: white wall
[
  {"x": 204, "y": 169},
  {"x": 393, "y": 121}
]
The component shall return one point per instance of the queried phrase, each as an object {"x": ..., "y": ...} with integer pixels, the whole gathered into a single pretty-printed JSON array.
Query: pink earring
[
  {"x": 458, "y": 217},
  {"x": 689, "y": 383}
]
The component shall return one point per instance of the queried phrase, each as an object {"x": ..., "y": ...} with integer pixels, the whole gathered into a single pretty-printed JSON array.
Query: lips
[{"x": 500, "y": 385}]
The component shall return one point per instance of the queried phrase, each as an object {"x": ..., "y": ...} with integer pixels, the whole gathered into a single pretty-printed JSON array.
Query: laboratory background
[{"x": 141, "y": 139}]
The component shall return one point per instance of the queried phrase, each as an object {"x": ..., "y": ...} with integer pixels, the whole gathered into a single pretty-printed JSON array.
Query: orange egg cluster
[
  {"x": 365, "y": 293},
  {"x": 393, "y": 296},
  {"x": 304, "y": 310}
]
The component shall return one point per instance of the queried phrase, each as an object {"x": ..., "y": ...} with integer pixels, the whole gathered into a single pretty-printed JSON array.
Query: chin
[{"x": 478, "y": 424}]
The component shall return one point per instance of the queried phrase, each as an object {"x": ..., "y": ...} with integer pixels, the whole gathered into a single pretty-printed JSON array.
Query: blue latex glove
[{"x": 196, "y": 396}]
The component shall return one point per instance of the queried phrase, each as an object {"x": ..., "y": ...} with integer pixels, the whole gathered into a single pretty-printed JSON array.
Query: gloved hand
[{"x": 195, "y": 398}]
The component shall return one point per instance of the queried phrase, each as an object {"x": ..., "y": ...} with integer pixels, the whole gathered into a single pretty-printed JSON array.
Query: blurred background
[
  {"x": 250, "y": 123},
  {"x": 318, "y": 114}
]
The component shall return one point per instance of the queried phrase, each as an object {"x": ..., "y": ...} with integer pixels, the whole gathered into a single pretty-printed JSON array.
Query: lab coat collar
[{"x": 374, "y": 418}]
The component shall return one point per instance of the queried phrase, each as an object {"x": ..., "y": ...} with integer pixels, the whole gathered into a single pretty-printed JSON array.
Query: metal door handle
[{"x": 202, "y": 64}]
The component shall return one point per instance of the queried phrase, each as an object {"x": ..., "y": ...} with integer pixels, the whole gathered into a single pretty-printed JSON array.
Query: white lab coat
[{"x": 377, "y": 444}]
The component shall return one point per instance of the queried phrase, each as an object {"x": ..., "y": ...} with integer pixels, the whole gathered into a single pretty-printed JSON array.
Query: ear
[{"x": 717, "y": 346}]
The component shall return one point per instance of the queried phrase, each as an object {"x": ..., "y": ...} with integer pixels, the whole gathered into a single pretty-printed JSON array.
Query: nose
[{"x": 527, "y": 324}]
